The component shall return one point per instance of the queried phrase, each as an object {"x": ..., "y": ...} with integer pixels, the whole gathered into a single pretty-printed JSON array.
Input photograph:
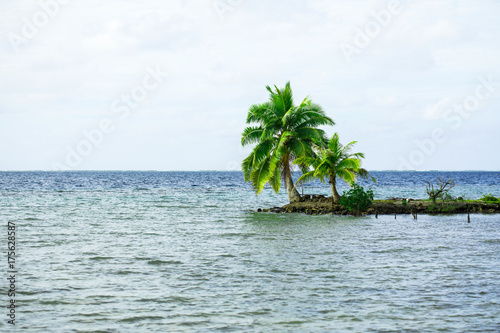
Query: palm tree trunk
[
  {"x": 335, "y": 194},
  {"x": 293, "y": 194}
]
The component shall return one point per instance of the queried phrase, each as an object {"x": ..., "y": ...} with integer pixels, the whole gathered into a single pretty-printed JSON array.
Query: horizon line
[{"x": 213, "y": 170}]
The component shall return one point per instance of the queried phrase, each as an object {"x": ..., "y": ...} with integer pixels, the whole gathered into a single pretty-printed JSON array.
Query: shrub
[
  {"x": 357, "y": 199},
  {"x": 443, "y": 186},
  {"x": 447, "y": 196},
  {"x": 489, "y": 198},
  {"x": 433, "y": 208}
]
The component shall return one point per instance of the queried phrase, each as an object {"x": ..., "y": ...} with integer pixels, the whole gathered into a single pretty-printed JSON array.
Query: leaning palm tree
[
  {"x": 283, "y": 132},
  {"x": 334, "y": 161}
]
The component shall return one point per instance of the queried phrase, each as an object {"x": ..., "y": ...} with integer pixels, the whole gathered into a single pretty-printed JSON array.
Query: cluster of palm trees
[{"x": 287, "y": 135}]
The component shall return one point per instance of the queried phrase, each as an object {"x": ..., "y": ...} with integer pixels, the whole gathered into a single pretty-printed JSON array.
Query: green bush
[
  {"x": 433, "y": 208},
  {"x": 489, "y": 198},
  {"x": 448, "y": 197},
  {"x": 357, "y": 199}
]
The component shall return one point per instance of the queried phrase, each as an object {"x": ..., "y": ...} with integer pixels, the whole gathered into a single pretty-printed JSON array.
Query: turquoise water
[{"x": 151, "y": 252}]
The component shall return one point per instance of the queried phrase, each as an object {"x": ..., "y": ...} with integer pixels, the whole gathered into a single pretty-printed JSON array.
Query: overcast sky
[{"x": 166, "y": 85}]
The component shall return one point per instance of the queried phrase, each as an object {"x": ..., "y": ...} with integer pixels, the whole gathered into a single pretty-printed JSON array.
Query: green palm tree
[
  {"x": 334, "y": 161},
  {"x": 283, "y": 132}
]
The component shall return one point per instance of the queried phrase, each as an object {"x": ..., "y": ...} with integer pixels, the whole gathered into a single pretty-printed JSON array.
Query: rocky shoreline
[{"x": 319, "y": 205}]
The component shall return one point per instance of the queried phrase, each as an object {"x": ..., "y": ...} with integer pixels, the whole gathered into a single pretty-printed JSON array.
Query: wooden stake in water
[
  {"x": 376, "y": 214},
  {"x": 394, "y": 215},
  {"x": 468, "y": 214}
]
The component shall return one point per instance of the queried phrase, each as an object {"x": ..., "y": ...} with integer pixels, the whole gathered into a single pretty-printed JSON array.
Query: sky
[{"x": 166, "y": 85}]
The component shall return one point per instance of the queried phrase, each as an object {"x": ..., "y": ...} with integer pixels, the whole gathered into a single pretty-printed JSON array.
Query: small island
[
  {"x": 288, "y": 136},
  {"x": 319, "y": 205}
]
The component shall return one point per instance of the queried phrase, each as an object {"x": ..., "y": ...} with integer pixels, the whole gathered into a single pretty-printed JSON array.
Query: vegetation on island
[
  {"x": 490, "y": 198},
  {"x": 319, "y": 204},
  {"x": 357, "y": 200},
  {"x": 334, "y": 161},
  {"x": 283, "y": 133},
  {"x": 443, "y": 187},
  {"x": 287, "y": 135}
]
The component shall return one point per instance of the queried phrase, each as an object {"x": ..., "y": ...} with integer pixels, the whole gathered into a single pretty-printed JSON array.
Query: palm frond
[
  {"x": 270, "y": 130},
  {"x": 333, "y": 144},
  {"x": 287, "y": 97},
  {"x": 247, "y": 166},
  {"x": 261, "y": 113},
  {"x": 323, "y": 168},
  {"x": 315, "y": 121},
  {"x": 262, "y": 151},
  {"x": 251, "y": 135},
  {"x": 357, "y": 155},
  {"x": 288, "y": 118},
  {"x": 349, "y": 163},
  {"x": 276, "y": 98},
  {"x": 311, "y": 111},
  {"x": 348, "y": 147},
  {"x": 306, "y": 177},
  {"x": 305, "y": 102},
  {"x": 305, "y": 160},
  {"x": 275, "y": 179},
  {"x": 298, "y": 147},
  {"x": 363, "y": 173},
  {"x": 347, "y": 175},
  {"x": 304, "y": 168},
  {"x": 277, "y": 156},
  {"x": 311, "y": 133},
  {"x": 260, "y": 175}
]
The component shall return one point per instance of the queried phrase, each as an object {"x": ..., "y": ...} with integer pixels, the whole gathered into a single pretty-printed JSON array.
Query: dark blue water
[
  {"x": 389, "y": 183},
  {"x": 100, "y": 180}
]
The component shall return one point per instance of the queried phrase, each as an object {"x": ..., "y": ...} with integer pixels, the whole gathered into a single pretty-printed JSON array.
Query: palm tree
[
  {"x": 335, "y": 160},
  {"x": 283, "y": 133}
]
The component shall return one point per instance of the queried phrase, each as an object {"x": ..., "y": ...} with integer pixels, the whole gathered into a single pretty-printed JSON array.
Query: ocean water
[{"x": 185, "y": 252}]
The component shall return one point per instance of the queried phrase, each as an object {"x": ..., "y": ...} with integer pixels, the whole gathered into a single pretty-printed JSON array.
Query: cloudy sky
[{"x": 166, "y": 85}]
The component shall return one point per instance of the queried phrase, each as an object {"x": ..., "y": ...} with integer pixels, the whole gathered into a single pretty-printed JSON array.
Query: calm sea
[{"x": 185, "y": 252}]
